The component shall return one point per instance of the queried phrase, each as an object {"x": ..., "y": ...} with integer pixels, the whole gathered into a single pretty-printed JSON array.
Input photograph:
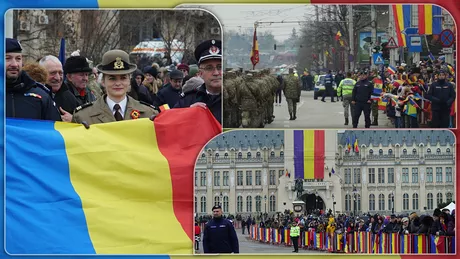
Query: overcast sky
[{"x": 240, "y": 17}]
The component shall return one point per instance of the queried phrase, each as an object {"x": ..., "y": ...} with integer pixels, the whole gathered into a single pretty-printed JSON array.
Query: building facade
[
  {"x": 240, "y": 170},
  {"x": 394, "y": 171}
]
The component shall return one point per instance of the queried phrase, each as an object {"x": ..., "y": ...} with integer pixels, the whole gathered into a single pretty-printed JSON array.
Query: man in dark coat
[
  {"x": 171, "y": 94},
  {"x": 138, "y": 90},
  {"x": 219, "y": 235},
  {"x": 77, "y": 72}
]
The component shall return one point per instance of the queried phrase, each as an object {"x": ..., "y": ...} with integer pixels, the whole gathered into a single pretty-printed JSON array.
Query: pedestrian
[
  {"x": 197, "y": 236},
  {"x": 171, "y": 94},
  {"x": 25, "y": 98},
  {"x": 279, "y": 90},
  {"x": 361, "y": 99},
  {"x": 219, "y": 235},
  {"x": 442, "y": 95},
  {"x": 76, "y": 69},
  {"x": 328, "y": 82},
  {"x": 116, "y": 105},
  {"x": 346, "y": 91},
  {"x": 209, "y": 94},
  {"x": 295, "y": 233}
]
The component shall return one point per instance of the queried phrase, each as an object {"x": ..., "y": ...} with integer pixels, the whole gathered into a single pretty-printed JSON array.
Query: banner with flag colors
[{"x": 309, "y": 149}]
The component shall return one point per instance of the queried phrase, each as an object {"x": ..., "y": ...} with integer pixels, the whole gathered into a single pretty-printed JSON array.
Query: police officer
[
  {"x": 328, "y": 81},
  {"x": 25, "y": 98},
  {"x": 208, "y": 95},
  {"x": 219, "y": 235},
  {"x": 295, "y": 233},
  {"x": 361, "y": 99},
  {"x": 116, "y": 105},
  {"x": 442, "y": 96},
  {"x": 171, "y": 94},
  {"x": 346, "y": 90}
]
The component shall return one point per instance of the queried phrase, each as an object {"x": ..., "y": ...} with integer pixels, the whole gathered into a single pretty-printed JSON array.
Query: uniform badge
[
  {"x": 214, "y": 50},
  {"x": 135, "y": 114},
  {"x": 118, "y": 64},
  {"x": 33, "y": 95}
]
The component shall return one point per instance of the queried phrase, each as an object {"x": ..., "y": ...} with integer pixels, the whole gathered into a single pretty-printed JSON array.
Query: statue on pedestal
[{"x": 299, "y": 187}]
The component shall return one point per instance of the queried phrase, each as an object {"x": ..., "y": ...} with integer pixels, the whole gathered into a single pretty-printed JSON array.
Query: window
[
  {"x": 258, "y": 177},
  {"x": 390, "y": 201},
  {"x": 281, "y": 154},
  {"x": 272, "y": 206},
  {"x": 196, "y": 204},
  {"x": 406, "y": 201},
  {"x": 216, "y": 178},
  {"x": 272, "y": 154},
  {"x": 405, "y": 175},
  {"x": 429, "y": 199},
  {"x": 216, "y": 201},
  {"x": 258, "y": 203},
  {"x": 415, "y": 201},
  {"x": 258, "y": 154},
  {"x": 249, "y": 155},
  {"x": 239, "y": 204},
  {"x": 429, "y": 174},
  {"x": 439, "y": 174},
  {"x": 438, "y": 199},
  {"x": 428, "y": 151},
  {"x": 280, "y": 173},
  {"x": 380, "y": 152},
  {"x": 357, "y": 175},
  {"x": 347, "y": 175},
  {"x": 404, "y": 151},
  {"x": 371, "y": 175},
  {"x": 217, "y": 155},
  {"x": 371, "y": 152},
  {"x": 414, "y": 151},
  {"x": 381, "y": 175},
  {"x": 225, "y": 178},
  {"x": 391, "y": 175},
  {"x": 272, "y": 177},
  {"x": 203, "y": 204},
  {"x": 240, "y": 155},
  {"x": 239, "y": 178},
  {"x": 226, "y": 155},
  {"x": 414, "y": 175},
  {"x": 448, "y": 150},
  {"x": 203, "y": 155},
  {"x": 203, "y": 179},
  {"x": 358, "y": 202},
  {"x": 448, "y": 174},
  {"x": 381, "y": 201},
  {"x": 196, "y": 179},
  {"x": 348, "y": 202},
  {"x": 248, "y": 204},
  {"x": 449, "y": 197},
  {"x": 438, "y": 151},
  {"x": 248, "y": 178},
  {"x": 371, "y": 202},
  {"x": 225, "y": 204},
  {"x": 390, "y": 151}
]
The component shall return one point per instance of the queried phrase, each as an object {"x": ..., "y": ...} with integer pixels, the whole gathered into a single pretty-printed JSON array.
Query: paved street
[
  {"x": 316, "y": 114},
  {"x": 256, "y": 247}
]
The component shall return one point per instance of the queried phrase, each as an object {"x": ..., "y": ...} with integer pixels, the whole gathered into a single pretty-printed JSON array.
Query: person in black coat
[
  {"x": 208, "y": 95},
  {"x": 171, "y": 93},
  {"x": 361, "y": 99},
  {"x": 138, "y": 90},
  {"x": 219, "y": 235},
  {"x": 442, "y": 96},
  {"x": 24, "y": 97}
]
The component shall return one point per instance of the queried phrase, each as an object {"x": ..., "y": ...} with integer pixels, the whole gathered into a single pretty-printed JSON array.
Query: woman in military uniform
[{"x": 116, "y": 105}]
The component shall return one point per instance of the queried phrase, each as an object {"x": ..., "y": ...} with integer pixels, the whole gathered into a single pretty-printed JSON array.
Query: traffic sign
[
  {"x": 447, "y": 38},
  {"x": 378, "y": 59},
  {"x": 410, "y": 31},
  {"x": 447, "y": 51},
  {"x": 392, "y": 44},
  {"x": 415, "y": 44}
]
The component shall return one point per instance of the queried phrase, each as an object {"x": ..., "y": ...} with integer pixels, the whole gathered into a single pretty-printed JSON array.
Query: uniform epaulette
[
  {"x": 81, "y": 107},
  {"x": 43, "y": 87},
  {"x": 149, "y": 105}
]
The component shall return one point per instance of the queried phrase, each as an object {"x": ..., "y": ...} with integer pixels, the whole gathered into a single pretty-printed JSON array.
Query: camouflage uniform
[
  {"x": 249, "y": 109},
  {"x": 273, "y": 86},
  {"x": 231, "y": 109},
  {"x": 292, "y": 94},
  {"x": 94, "y": 87}
]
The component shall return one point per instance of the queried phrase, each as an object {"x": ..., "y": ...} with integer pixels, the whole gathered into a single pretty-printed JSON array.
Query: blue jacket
[
  {"x": 219, "y": 236},
  {"x": 214, "y": 103}
]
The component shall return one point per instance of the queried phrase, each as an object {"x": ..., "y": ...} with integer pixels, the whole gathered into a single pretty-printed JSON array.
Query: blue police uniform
[
  {"x": 442, "y": 96},
  {"x": 361, "y": 94},
  {"x": 219, "y": 236}
]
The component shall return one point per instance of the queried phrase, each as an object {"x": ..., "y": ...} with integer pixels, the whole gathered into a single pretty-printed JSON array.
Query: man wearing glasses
[{"x": 208, "y": 95}]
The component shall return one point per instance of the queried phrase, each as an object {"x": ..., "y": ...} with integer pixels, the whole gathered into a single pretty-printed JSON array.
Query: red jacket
[{"x": 197, "y": 230}]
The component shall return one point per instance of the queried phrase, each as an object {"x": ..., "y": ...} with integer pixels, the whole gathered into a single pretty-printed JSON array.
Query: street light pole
[
  {"x": 392, "y": 202},
  {"x": 333, "y": 204}
]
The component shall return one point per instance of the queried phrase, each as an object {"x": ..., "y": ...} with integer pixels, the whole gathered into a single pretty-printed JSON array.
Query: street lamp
[
  {"x": 392, "y": 202},
  {"x": 354, "y": 201},
  {"x": 333, "y": 204}
]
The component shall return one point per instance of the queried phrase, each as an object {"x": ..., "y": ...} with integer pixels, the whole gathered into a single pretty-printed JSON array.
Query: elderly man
[
  {"x": 208, "y": 95},
  {"x": 116, "y": 105},
  {"x": 24, "y": 97},
  {"x": 77, "y": 72},
  {"x": 171, "y": 94},
  {"x": 65, "y": 100}
]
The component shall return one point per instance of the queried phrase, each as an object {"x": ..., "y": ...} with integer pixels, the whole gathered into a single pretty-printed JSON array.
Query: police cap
[
  {"x": 210, "y": 49},
  {"x": 12, "y": 45},
  {"x": 216, "y": 207}
]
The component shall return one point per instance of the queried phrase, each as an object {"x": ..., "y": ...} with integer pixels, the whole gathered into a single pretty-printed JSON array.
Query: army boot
[
  {"x": 346, "y": 121},
  {"x": 291, "y": 117},
  {"x": 375, "y": 122},
  {"x": 295, "y": 115}
]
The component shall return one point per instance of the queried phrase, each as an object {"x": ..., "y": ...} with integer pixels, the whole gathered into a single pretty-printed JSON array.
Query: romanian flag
[
  {"x": 255, "y": 49},
  {"x": 356, "y": 146},
  {"x": 429, "y": 19},
  {"x": 420, "y": 246},
  {"x": 437, "y": 244},
  {"x": 451, "y": 70},
  {"x": 402, "y": 15},
  {"x": 338, "y": 35},
  {"x": 309, "y": 149},
  {"x": 392, "y": 70},
  {"x": 116, "y": 188},
  {"x": 164, "y": 107},
  {"x": 348, "y": 144},
  {"x": 378, "y": 86}
]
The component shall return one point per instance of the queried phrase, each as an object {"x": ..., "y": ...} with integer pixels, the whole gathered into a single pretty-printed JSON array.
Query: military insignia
[
  {"x": 213, "y": 42},
  {"x": 135, "y": 114},
  {"x": 214, "y": 50},
  {"x": 33, "y": 95},
  {"x": 79, "y": 108},
  {"x": 118, "y": 64}
]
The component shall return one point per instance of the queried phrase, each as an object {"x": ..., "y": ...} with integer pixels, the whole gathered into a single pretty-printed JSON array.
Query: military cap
[
  {"x": 76, "y": 64},
  {"x": 216, "y": 207},
  {"x": 176, "y": 74},
  {"x": 116, "y": 62},
  {"x": 210, "y": 49},
  {"x": 12, "y": 45}
]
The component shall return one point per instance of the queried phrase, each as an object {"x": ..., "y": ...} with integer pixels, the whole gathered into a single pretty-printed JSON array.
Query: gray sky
[{"x": 241, "y": 17}]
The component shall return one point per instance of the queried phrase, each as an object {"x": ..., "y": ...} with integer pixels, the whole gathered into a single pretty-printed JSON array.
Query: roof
[{"x": 248, "y": 139}]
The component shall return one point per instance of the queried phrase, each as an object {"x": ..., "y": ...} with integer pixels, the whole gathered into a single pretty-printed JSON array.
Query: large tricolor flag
[
  {"x": 255, "y": 49},
  {"x": 309, "y": 149},
  {"x": 429, "y": 19},
  {"x": 401, "y": 15},
  {"x": 116, "y": 188}
]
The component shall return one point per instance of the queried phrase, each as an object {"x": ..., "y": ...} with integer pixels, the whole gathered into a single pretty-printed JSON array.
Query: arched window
[
  {"x": 428, "y": 151},
  {"x": 272, "y": 154},
  {"x": 414, "y": 151},
  {"x": 415, "y": 201},
  {"x": 406, "y": 201},
  {"x": 404, "y": 151},
  {"x": 203, "y": 204},
  {"x": 371, "y": 151},
  {"x": 438, "y": 151},
  {"x": 248, "y": 204},
  {"x": 272, "y": 203},
  {"x": 240, "y": 155},
  {"x": 449, "y": 197},
  {"x": 429, "y": 199},
  {"x": 281, "y": 154},
  {"x": 239, "y": 204},
  {"x": 380, "y": 151},
  {"x": 203, "y": 155},
  {"x": 358, "y": 202},
  {"x": 371, "y": 202},
  {"x": 258, "y": 154},
  {"x": 225, "y": 204},
  {"x": 226, "y": 155},
  {"x": 381, "y": 201},
  {"x": 217, "y": 201},
  {"x": 217, "y": 155},
  {"x": 348, "y": 202},
  {"x": 448, "y": 150},
  {"x": 249, "y": 155},
  {"x": 438, "y": 199},
  {"x": 258, "y": 203},
  {"x": 390, "y": 151}
]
